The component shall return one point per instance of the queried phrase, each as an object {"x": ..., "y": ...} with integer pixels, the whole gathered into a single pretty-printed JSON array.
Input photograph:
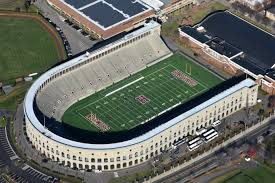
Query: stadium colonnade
[{"x": 60, "y": 87}]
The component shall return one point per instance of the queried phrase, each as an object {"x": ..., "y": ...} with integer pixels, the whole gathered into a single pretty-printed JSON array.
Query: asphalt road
[
  {"x": 222, "y": 157},
  {"x": 77, "y": 41}
]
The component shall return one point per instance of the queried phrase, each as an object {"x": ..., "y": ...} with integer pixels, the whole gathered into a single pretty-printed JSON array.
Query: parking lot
[
  {"x": 74, "y": 39},
  {"x": 6, "y": 145},
  {"x": 35, "y": 173},
  {"x": 16, "y": 178}
]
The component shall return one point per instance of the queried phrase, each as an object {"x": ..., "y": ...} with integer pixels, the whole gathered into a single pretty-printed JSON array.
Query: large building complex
[
  {"x": 104, "y": 18},
  {"x": 236, "y": 46},
  {"x": 137, "y": 59},
  {"x": 107, "y": 18}
]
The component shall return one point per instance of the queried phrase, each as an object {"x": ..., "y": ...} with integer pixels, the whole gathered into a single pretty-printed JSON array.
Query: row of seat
[{"x": 62, "y": 92}]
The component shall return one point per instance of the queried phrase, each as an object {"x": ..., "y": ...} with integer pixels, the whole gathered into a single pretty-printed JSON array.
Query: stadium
[{"x": 123, "y": 104}]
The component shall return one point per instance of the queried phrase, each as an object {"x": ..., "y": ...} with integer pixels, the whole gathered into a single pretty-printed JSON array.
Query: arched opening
[
  {"x": 80, "y": 166},
  {"x": 69, "y": 164},
  {"x": 136, "y": 161},
  {"x": 93, "y": 167},
  {"x": 112, "y": 167},
  {"x": 130, "y": 163},
  {"x": 99, "y": 167},
  {"x": 106, "y": 167},
  {"x": 124, "y": 165},
  {"x": 87, "y": 167},
  {"x": 118, "y": 166}
]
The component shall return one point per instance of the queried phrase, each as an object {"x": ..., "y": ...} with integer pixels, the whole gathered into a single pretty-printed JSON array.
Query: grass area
[
  {"x": 14, "y": 4},
  {"x": 3, "y": 121},
  {"x": 15, "y": 97},
  {"x": 142, "y": 96},
  {"x": 253, "y": 175},
  {"x": 170, "y": 28},
  {"x": 26, "y": 48},
  {"x": 225, "y": 176},
  {"x": 189, "y": 16},
  {"x": 197, "y": 16}
]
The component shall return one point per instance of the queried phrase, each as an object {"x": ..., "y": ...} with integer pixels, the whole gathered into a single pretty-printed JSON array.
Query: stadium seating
[{"x": 62, "y": 92}]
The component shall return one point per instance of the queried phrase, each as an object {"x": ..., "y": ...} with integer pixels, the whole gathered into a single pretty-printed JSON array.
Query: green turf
[
  {"x": 121, "y": 110},
  {"x": 26, "y": 47},
  {"x": 254, "y": 175}
]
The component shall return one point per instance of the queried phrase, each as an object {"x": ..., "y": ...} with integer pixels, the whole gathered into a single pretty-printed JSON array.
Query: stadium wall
[
  {"x": 267, "y": 84},
  {"x": 72, "y": 14},
  {"x": 126, "y": 154}
]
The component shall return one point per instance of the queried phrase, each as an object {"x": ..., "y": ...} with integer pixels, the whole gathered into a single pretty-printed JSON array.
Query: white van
[{"x": 216, "y": 123}]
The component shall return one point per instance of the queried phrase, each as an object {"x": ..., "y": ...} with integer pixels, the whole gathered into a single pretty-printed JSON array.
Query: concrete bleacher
[{"x": 73, "y": 86}]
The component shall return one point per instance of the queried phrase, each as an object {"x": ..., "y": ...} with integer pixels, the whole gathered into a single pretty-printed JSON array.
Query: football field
[{"x": 141, "y": 97}]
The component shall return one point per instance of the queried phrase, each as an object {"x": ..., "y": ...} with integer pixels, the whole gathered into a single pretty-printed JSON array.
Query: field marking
[
  {"x": 186, "y": 86},
  {"x": 154, "y": 90},
  {"x": 138, "y": 112},
  {"x": 110, "y": 86},
  {"x": 192, "y": 77},
  {"x": 124, "y": 86},
  {"x": 194, "y": 92}
]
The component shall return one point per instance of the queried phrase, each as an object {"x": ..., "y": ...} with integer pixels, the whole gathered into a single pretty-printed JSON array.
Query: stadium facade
[
  {"x": 65, "y": 84},
  {"x": 232, "y": 50}
]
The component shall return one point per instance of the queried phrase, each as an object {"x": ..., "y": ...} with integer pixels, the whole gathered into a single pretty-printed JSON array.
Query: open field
[
  {"x": 253, "y": 175},
  {"x": 201, "y": 13},
  {"x": 15, "y": 97},
  {"x": 27, "y": 47},
  {"x": 142, "y": 96},
  {"x": 190, "y": 16},
  {"x": 13, "y": 4}
]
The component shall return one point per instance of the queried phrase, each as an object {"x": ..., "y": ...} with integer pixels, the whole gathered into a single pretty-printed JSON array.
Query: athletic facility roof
[
  {"x": 108, "y": 13},
  {"x": 256, "y": 43}
]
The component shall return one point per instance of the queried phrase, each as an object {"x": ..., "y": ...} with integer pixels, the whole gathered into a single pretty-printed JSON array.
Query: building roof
[
  {"x": 108, "y": 13},
  {"x": 254, "y": 42}
]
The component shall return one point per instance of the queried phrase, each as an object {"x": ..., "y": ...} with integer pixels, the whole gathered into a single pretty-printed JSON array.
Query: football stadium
[{"x": 126, "y": 102}]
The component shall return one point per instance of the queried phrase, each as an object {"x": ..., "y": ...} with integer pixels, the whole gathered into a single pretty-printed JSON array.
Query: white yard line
[{"x": 124, "y": 86}]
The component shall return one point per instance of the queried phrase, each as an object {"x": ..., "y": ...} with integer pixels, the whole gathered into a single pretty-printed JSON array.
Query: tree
[
  {"x": 27, "y": 4},
  {"x": 271, "y": 101}
]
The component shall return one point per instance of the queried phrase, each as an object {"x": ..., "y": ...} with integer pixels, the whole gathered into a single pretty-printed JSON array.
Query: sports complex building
[
  {"x": 236, "y": 46},
  {"x": 107, "y": 18},
  {"x": 126, "y": 102}
]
